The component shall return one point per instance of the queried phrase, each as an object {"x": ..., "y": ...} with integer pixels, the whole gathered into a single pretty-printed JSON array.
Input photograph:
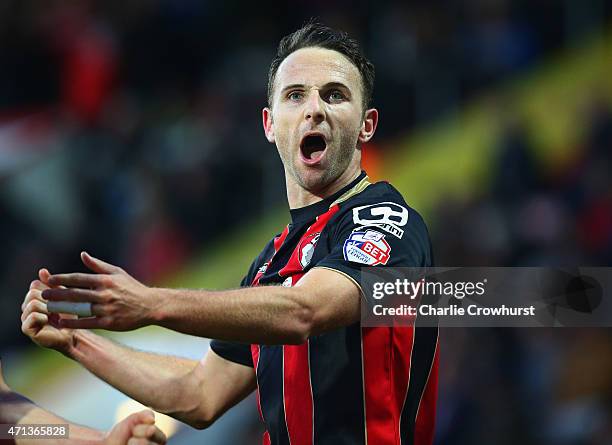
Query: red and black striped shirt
[{"x": 354, "y": 385}]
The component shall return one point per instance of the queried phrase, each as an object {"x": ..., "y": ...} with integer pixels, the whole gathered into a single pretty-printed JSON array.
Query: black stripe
[
  {"x": 270, "y": 380},
  {"x": 335, "y": 365},
  {"x": 423, "y": 352}
]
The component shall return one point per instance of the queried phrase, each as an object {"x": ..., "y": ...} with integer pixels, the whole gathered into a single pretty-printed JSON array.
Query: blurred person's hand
[
  {"x": 36, "y": 322},
  {"x": 118, "y": 301},
  {"x": 136, "y": 429}
]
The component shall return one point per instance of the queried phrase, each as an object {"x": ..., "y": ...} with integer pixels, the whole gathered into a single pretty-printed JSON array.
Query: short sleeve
[
  {"x": 234, "y": 352},
  {"x": 384, "y": 234}
]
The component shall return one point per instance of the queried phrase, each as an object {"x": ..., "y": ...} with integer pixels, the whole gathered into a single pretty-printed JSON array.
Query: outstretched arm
[
  {"x": 136, "y": 429},
  {"x": 322, "y": 300},
  {"x": 197, "y": 395},
  {"x": 191, "y": 391}
]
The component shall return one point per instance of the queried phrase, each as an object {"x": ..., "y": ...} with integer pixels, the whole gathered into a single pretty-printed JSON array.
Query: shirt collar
[{"x": 309, "y": 212}]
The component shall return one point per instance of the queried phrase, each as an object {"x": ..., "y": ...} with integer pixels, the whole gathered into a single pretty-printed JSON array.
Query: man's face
[{"x": 316, "y": 117}]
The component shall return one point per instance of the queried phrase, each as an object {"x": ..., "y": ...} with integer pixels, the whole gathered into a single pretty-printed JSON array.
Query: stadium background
[{"x": 132, "y": 130}]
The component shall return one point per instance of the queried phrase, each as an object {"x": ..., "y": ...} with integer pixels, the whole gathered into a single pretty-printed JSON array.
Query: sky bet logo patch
[{"x": 369, "y": 248}]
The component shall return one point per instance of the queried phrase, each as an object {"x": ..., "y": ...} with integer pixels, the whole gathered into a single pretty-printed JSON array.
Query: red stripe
[
  {"x": 297, "y": 389},
  {"x": 386, "y": 375},
  {"x": 376, "y": 352},
  {"x": 255, "y": 355},
  {"x": 278, "y": 242},
  {"x": 297, "y": 394},
  {"x": 426, "y": 414},
  {"x": 266, "y": 438},
  {"x": 293, "y": 266}
]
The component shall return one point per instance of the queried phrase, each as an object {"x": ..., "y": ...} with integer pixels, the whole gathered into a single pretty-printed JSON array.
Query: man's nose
[{"x": 314, "y": 109}]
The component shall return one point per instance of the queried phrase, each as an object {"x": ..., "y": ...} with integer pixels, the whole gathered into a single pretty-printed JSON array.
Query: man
[
  {"x": 320, "y": 377},
  {"x": 137, "y": 429}
]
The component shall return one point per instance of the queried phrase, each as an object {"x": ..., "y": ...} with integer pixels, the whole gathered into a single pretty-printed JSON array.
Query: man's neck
[{"x": 300, "y": 197}]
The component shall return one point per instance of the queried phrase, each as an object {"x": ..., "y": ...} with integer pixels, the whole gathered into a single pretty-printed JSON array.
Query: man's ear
[
  {"x": 268, "y": 124},
  {"x": 368, "y": 127}
]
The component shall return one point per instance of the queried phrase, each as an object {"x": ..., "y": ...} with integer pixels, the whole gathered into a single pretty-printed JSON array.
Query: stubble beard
[{"x": 337, "y": 162}]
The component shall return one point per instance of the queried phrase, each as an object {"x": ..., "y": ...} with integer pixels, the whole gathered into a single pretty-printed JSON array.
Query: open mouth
[{"x": 312, "y": 148}]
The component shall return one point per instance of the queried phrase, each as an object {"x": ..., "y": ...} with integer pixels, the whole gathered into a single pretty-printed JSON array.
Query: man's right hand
[
  {"x": 38, "y": 324},
  {"x": 136, "y": 429}
]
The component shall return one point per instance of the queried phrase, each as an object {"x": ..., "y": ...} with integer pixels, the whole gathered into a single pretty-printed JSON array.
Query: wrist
[
  {"x": 98, "y": 437},
  {"x": 88, "y": 436},
  {"x": 71, "y": 349},
  {"x": 157, "y": 308}
]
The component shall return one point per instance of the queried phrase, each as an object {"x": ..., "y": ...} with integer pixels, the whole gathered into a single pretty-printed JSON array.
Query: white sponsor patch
[
  {"x": 387, "y": 216},
  {"x": 369, "y": 248},
  {"x": 288, "y": 282}
]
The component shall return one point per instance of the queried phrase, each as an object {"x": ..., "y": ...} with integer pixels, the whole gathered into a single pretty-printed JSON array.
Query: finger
[
  {"x": 70, "y": 308},
  {"x": 150, "y": 433},
  {"x": 145, "y": 416},
  {"x": 99, "y": 310},
  {"x": 146, "y": 431},
  {"x": 34, "y": 306},
  {"x": 34, "y": 323},
  {"x": 43, "y": 275},
  {"x": 141, "y": 430},
  {"x": 37, "y": 284},
  {"x": 86, "y": 323},
  {"x": 97, "y": 265},
  {"x": 54, "y": 320},
  {"x": 141, "y": 417},
  {"x": 76, "y": 295},
  {"x": 84, "y": 280},
  {"x": 157, "y": 435},
  {"x": 33, "y": 294}
]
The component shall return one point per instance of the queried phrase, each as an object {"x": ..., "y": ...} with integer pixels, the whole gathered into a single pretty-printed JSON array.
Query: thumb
[
  {"x": 43, "y": 275},
  {"x": 97, "y": 265}
]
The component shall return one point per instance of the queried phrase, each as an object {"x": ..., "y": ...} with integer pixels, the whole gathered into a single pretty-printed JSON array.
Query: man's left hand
[{"x": 119, "y": 301}]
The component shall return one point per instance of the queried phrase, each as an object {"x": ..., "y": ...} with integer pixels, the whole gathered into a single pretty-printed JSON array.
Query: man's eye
[
  {"x": 336, "y": 96},
  {"x": 295, "y": 95}
]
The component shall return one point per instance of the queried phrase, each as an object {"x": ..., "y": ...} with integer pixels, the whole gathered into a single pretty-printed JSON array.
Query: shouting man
[{"x": 292, "y": 331}]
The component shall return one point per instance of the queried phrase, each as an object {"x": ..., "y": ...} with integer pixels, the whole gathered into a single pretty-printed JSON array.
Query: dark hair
[{"x": 317, "y": 35}]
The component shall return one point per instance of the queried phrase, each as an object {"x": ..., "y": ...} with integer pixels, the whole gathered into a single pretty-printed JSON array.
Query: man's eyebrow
[
  {"x": 292, "y": 86},
  {"x": 336, "y": 85},
  {"x": 324, "y": 87}
]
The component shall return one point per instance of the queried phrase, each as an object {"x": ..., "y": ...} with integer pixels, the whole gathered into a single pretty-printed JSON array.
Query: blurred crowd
[
  {"x": 132, "y": 130},
  {"x": 531, "y": 385},
  {"x": 534, "y": 213}
]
